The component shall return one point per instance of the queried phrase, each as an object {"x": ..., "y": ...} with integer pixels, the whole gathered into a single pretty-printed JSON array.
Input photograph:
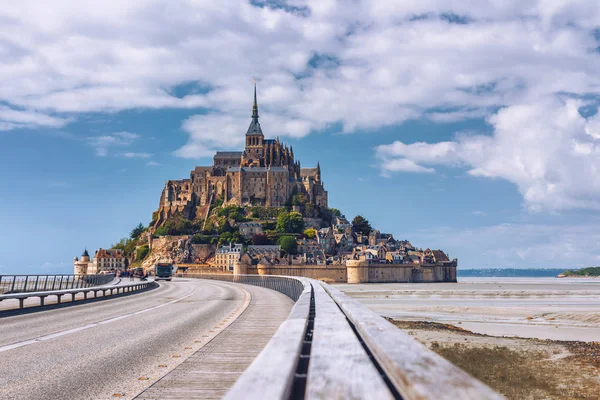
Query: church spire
[
  {"x": 318, "y": 177},
  {"x": 254, "y": 128},
  {"x": 255, "y": 105}
]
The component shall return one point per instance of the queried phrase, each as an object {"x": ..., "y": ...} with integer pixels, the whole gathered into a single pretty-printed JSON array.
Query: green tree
[
  {"x": 225, "y": 238},
  {"x": 183, "y": 227},
  {"x": 200, "y": 239},
  {"x": 137, "y": 231},
  {"x": 226, "y": 227},
  {"x": 361, "y": 225},
  {"x": 290, "y": 222},
  {"x": 161, "y": 231},
  {"x": 310, "y": 233},
  {"x": 120, "y": 245},
  {"x": 288, "y": 244},
  {"x": 335, "y": 212}
]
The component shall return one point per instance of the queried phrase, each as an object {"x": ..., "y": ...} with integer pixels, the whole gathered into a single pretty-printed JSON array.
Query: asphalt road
[{"x": 97, "y": 350}]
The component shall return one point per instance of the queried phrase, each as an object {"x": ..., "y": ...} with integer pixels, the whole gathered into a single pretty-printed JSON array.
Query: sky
[{"x": 470, "y": 126}]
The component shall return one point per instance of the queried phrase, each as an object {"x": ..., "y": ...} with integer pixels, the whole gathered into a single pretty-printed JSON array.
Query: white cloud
[
  {"x": 153, "y": 164},
  {"x": 479, "y": 213},
  {"x": 371, "y": 63},
  {"x": 403, "y": 165},
  {"x": 102, "y": 144},
  {"x": 136, "y": 155},
  {"x": 361, "y": 65},
  {"x": 548, "y": 149},
  {"x": 12, "y": 119},
  {"x": 211, "y": 131}
]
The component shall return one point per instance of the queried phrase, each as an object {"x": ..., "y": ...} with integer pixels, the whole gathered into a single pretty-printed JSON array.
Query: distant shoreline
[
  {"x": 510, "y": 273},
  {"x": 590, "y": 272}
]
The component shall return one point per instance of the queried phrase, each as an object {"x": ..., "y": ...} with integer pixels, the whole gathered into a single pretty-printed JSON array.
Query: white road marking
[{"x": 88, "y": 326}]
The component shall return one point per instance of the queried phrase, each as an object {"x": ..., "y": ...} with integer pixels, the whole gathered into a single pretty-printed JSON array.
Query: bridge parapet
[
  {"x": 331, "y": 346},
  {"x": 39, "y": 283},
  {"x": 85, "y": 291}
]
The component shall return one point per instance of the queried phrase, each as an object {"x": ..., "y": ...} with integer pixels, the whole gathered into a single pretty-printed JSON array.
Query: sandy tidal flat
[{"x": 544, "y": 308}]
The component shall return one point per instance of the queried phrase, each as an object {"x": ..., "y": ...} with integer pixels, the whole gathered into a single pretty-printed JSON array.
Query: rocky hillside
[{"x": 179, "y": 250}]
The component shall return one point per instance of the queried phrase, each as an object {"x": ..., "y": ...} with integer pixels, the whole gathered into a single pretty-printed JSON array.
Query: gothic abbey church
[{"x": 264, "y": 174}]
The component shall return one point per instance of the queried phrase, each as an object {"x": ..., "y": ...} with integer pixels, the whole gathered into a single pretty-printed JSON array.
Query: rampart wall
[{"x": 354, "y": 272}]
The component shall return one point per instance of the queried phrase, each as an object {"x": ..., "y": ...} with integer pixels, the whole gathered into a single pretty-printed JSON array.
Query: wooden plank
[
  {"x": 339, "y": 367},
  {"x": 415, "y": 371},
  {"x": 271, "y": 374}
]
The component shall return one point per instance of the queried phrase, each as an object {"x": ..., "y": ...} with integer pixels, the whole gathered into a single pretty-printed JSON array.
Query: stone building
[
  {"x": 249, "y": 229},
  {"x": 84, "y": 265},
  {"x": 228, "y": 255},
  {"x": 265, "y": 173},
  {"x": 110, "y": 260},
  {"x": 104, "y": 260}
]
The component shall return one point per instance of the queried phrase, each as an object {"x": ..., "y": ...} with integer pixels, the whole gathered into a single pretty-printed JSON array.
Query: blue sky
[{"x": 472, "y": 127}]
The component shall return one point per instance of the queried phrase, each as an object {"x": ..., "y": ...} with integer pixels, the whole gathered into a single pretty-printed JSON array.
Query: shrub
[
  {"x": 310, "y": 233},
  {"x": 200, "y": 239},
  {"x": 290, "y": 222},
  {"x": 288, "y": 244},
  {"x": 142, "y": 252}
]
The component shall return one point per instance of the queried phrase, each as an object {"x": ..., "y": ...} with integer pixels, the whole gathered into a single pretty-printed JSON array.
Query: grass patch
[
  {"x": 515, "y": 374},
  {"x": 516, "y": 367}
]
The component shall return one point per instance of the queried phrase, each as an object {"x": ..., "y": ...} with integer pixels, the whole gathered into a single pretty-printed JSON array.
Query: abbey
[{"x": 265, "y": 173}]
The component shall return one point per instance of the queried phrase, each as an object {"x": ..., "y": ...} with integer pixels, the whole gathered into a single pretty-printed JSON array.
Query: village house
[
  {"x": 317, "y": 257},
  {"x": 110, "y": 260},
  {"x": 227, "y": 255},
  {"x": 394, "y": 257},
  {"x": 326, "y": 240},
  {"x": 249, "y": 229},
  {"x": 341, "y": 240},
  {"x": 307, "y": 245},
  {"x": 259, "y": 251}
]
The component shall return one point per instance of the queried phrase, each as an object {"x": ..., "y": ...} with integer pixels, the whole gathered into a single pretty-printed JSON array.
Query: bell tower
[{"x": 254, "y": 154}]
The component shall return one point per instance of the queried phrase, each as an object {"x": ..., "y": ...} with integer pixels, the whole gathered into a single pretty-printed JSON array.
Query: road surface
[{"x": 116, "y": 347}]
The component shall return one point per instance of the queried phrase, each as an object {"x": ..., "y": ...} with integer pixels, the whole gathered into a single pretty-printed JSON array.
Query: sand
[
  {"x": 544, "y": 308},
  {"x": 520, "y": 369}
]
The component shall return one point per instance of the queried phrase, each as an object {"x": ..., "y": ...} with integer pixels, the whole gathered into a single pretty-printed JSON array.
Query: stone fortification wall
[
  {"x": 336, "y": 274},
  {"x": 359, "y": 271},
  {"x": 382, "y": 273},
  {"x": 200, "y": 269},
  {"x": 356, "y": 271}
]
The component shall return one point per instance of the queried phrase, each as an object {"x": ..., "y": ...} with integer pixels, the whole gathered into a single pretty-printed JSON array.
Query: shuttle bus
[{"x": 163, "y": 270}]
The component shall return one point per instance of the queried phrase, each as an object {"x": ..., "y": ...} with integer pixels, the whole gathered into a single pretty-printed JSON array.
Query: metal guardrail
[
  {"x": 117, "y": 289},
  {"x": 39, "y": 283},
  {"x": 331, "y": 346}
]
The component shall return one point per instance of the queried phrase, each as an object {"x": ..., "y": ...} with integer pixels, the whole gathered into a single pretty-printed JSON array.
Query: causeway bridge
[{"x": 210, "y": 336}]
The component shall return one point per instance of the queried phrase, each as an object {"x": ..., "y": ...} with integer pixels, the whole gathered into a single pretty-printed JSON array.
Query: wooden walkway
[{"x": 213, "y": 369}]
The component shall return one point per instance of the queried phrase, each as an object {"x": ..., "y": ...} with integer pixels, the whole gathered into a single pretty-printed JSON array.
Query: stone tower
[
  {"x": 80, "y": 267},
  {"x": 254, "y": 138}
]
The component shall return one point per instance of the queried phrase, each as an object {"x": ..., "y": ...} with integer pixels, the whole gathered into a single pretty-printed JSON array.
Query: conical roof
[{"x": 254, "y": 128}]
